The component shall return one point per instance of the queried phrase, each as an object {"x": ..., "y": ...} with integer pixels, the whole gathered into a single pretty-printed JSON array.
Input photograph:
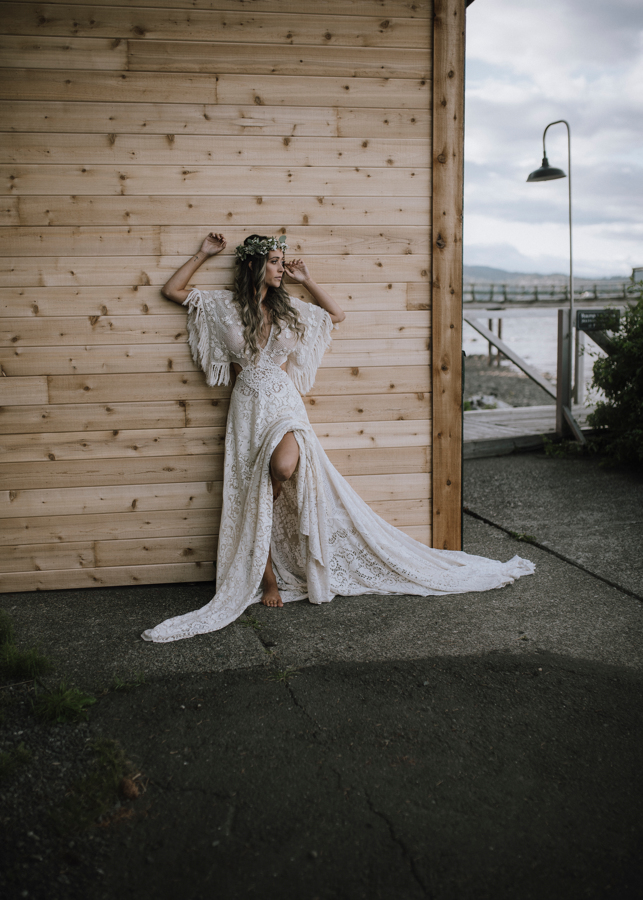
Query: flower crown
[{"x": 261, "y": 247}]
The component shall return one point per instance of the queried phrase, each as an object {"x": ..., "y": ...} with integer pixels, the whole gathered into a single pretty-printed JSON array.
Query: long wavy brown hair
[{"x": 248, "y": 285}]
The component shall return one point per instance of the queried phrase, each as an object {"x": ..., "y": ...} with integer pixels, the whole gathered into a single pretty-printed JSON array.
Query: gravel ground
[
  {"x": 43, "y": 855},
  {"x": 507, "y": 383},
  {"x": 489, "y": 777},
  {"x": 35, "y": 860}
]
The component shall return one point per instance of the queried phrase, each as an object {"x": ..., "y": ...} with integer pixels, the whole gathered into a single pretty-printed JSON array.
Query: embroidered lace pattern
[{"x": 325, "y": 539}]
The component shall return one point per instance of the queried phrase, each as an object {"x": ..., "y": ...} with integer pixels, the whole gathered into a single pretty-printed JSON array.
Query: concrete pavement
[{"x": 480, "y": 745}]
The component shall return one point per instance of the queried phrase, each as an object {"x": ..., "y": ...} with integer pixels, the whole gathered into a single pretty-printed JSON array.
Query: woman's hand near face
[
  {"x": 297, "y": 270},
  {"x": 213, "y": 244}
]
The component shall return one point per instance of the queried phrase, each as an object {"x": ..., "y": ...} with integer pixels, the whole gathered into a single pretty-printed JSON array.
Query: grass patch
[
  {"x": 521, "y": 536},
  {"x": 15, "y": 663},
  {"x": 251, "y": 622},
  {"x": 6, "y": 628},
  {"x": 283, "y": 675},
  {"x": 63, "y": 704},
  {"x": 119, "y": 686},
  {"x": 12, "y": 760},
  {"x": 564, "y": 449},
  {"x": 95, "y": 795},
  {"x": 5, "y": 702}
]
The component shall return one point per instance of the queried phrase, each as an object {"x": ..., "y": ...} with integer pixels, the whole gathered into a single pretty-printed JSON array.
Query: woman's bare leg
[
  {"x": 283, "y": 463},
  {"x": 284, "y": 459}
]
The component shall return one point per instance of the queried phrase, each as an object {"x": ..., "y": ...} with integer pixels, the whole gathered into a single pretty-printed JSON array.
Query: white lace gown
[{"x": 325, "y": 540}]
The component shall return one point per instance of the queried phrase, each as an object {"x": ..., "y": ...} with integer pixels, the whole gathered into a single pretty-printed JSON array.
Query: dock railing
[{"x": 543, "y": 294}]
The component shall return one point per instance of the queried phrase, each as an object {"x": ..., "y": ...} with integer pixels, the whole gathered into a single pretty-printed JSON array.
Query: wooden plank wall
[{"x": 128, "y": 131}]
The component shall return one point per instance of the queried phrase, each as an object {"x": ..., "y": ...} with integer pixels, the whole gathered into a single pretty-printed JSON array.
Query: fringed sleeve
[
  {"x": 207, "y": 348},
  {"x": 305, "y": 359}
]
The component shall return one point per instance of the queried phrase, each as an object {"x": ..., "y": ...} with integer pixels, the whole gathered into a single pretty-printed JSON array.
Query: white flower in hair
[{"x": 261, "y": 247}]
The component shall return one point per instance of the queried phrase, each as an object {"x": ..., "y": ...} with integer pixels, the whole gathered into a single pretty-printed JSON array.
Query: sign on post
[{"x": 589, "y": 320}]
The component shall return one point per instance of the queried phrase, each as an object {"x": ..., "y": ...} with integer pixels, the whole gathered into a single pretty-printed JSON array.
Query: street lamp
[{"x": 565, "y": 422}]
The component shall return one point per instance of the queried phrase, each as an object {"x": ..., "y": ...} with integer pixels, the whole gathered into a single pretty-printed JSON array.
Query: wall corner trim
[{"x": 446, "y": 256}]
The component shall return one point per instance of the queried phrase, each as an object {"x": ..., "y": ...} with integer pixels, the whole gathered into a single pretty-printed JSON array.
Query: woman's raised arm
[
  {"x": 175, "y": 287},
  {"x": 298, "y": 271}
]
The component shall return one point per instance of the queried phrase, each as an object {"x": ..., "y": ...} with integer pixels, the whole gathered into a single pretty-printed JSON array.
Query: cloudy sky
[{"x": 529, "y": 63}]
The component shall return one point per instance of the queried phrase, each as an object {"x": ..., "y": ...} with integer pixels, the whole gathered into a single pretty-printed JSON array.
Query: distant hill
[{"x": 487, "y": 274}]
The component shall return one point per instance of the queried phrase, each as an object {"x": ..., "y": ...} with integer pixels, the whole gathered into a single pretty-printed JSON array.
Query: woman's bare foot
[{"x": 270, "y": 595}]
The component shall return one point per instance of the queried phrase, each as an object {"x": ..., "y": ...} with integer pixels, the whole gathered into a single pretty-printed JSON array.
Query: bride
[{"x": 291, "y": 526}]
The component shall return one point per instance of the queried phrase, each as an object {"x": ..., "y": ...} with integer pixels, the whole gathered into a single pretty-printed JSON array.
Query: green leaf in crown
[{"x": 258, "y": 247}]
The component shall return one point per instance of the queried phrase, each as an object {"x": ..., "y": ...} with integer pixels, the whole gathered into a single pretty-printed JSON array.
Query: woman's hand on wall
[
  {"x": 213, "y": 244},
  {"x": 175, "y": 287}
]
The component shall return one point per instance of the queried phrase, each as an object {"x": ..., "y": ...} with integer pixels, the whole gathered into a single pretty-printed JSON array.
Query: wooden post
[
  {"x": 579, "y": 367},
  {"x": 490, "y": 359},
  {"x": 446, "y": 318},
  {"x": 498, "y": 354}
]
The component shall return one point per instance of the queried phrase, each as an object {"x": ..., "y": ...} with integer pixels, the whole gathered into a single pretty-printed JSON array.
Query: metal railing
[
  {"x": 569, "y": 340},
  {"x": 493, "y": 301}
]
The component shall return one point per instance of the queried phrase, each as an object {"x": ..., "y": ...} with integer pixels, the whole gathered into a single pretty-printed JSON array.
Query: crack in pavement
[
  {"x": 561, "y": 556},
  {"x": 257, "y": 633},
  {"x": 406, "y": 853},
  {"x": 320, "y": 738}
]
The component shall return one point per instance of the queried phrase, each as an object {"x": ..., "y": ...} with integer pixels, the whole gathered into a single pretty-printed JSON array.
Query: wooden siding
[{"x": 127, "y": 131}]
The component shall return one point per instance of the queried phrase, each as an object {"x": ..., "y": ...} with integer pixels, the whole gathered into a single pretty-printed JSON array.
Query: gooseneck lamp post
[{"x": 565, "y": 422}]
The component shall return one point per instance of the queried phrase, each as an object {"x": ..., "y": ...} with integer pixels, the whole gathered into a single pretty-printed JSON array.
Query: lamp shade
[{"x": 546, "y": 172}]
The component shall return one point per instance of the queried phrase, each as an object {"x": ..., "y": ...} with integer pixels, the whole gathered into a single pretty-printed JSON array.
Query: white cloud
[
  {"x": 599, "y": 250},
  {"x": 529, "y": 64}
]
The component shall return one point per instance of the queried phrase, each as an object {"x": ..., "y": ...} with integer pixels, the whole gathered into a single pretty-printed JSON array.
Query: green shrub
[{"x": 618, "y": 419}]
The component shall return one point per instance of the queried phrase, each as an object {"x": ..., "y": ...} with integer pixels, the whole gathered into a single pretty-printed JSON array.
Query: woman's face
[{"x": 274, "y": 268}]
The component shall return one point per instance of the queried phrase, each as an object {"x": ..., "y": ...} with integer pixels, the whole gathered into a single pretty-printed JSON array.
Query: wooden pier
[{"x": 498, "y": 432}]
